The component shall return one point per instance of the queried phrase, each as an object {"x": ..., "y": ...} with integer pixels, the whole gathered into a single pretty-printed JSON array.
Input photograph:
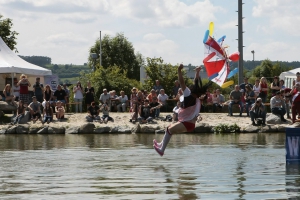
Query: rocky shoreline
[{"x": 76, "y": 124}]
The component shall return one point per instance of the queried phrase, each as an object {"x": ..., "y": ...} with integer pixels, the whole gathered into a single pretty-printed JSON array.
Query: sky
[{"x": 170, "y": 29}]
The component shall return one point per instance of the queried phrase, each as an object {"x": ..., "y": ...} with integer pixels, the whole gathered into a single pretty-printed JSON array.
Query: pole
[
  {"x": 253, "y": 57},
  {"x": 100, "y": 54},
  {"x": 240, "y": 39}
]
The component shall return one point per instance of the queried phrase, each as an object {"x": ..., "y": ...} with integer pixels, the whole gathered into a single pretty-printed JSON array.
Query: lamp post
[
  {"x": 100, "y": 54},
  {"x": 253, "y": 52},
  {"x": 94, "y": 56}
]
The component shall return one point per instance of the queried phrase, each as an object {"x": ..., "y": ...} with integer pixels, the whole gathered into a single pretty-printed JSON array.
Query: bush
[{"x": 225, "y": 128}]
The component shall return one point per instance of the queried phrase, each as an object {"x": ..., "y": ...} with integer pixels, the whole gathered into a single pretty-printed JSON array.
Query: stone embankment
[{"x": 76, "y": 124}]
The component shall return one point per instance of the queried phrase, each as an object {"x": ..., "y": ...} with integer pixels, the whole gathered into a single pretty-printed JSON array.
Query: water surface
[{"x": 125, "y": 166}]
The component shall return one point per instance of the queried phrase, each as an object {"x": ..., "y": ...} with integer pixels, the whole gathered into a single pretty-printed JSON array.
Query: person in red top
[
  {"x": 295, "y": 101},
  {"x": 24, "y": 84},
  {"x": 263, "y": 89}
]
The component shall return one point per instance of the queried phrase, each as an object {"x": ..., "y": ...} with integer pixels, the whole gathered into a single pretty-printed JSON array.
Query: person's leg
[
  {"x": 263, "y": 115},
  {"x": 252, "y": 115},
  {"x": 80, "y": 105},
  {"x": 76, "y": 105},
  {"x": 287, "y": 106},
  {"x": 230, "y": 108},
  {"x": 241, "y": 107},
  {"x": 294, "y": 112},
  {"x": 172, "y": 129},
  {"x": 157, "y": 112},
  {"x": 119, "y": 107}
]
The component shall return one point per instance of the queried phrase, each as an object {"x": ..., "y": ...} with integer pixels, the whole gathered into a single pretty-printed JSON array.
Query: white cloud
[{"x": 153, "y": 36}]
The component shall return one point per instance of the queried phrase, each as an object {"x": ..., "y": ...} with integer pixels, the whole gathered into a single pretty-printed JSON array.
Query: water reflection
[{"x": 125, "y": 166}]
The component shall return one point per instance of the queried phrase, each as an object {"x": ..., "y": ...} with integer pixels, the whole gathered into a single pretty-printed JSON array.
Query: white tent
[
  {"x": 289, "y": 77},
  {"x": 12, "y": 63}
]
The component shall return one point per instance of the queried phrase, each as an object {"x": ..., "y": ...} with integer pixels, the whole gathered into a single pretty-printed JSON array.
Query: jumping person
[{"x": 188, "y": 112}]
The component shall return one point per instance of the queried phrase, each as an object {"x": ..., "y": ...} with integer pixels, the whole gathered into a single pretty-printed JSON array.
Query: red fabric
[
  {"x": 295, "y": 109},
  {"x": 189, "y": 126},
  {"x": 264, "y": 85},
  {"x": 23, "y": 89},
  {"x": 297, "y": 99}
]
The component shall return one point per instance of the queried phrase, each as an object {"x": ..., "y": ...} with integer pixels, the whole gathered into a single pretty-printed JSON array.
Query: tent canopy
[
  {"x": 12, "y": 63},
  {"x": 289, "y": 73}
]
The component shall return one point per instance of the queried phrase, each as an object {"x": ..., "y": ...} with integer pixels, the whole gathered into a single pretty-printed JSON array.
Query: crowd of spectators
[{"x": 144, "y": 107}]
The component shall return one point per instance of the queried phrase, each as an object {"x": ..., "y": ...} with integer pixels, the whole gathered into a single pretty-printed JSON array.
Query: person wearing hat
[
  {"x": 35, "y": 109},
  {"x": 277, "y": 106},
  {"x": 105, "y": 97},
  {"x": 275, "y": 85},
  {"x": 16, "y": 89},
  {"x": 258, "y": 111},
  {"x": 24, "y": 84}
]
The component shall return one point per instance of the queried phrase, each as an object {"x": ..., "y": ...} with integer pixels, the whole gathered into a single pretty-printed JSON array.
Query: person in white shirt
[
  {"x": 78, "y": 96},
  {"x": 256, "y": 88},
  {"x": 123, "y": 102}
]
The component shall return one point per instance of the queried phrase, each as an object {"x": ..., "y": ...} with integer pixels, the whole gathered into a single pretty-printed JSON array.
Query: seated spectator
[
  {"x": 277, "y": 106},
  {"x": 16, "y": 89},
  {"x": 20, "y": 112},
  {"x": 162, "y": 99},
  {"x": 35, "y": 110},
  {"x": 175, "y": 89},
  {"x": 258, "y": 111},
  {"x": 105, "y": 110},
  {"x": 47, "y": 113},
  {"x": 287, "y": 99},
  {"x": 144, "y": 112},
  {"x": 208, "y": 97},
  {"x": 221, "y": 97},
  {"x": 93, "y": 113},
  {"x": 140, "y": 98},
  {"x": 123, "y": 99},
  {"x": 155, "y": 106},
  {"x": 180, "y": 93},
  {"x": 105, "y": 97},
  {"x": 8, "y": 95},
  {"x": 134, "y": 113},
  {"x": 60, "y": 111},
  {"x": 249, "y": 98},
  {"x": 60, "y": 95},
  {"x": 235, "y": 97},
  {"x": 114, "y": 100},
  {"x": 216, "y": 101},
  {"x": 151, "y": 95},
  {"x": 175, "y": 112}
]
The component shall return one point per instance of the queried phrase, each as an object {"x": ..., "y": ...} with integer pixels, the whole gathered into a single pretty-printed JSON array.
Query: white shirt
[{"x": 162, "y": 98}]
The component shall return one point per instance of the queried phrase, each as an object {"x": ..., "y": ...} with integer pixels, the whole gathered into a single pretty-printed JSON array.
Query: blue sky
[{"x": 171, "y": 29}]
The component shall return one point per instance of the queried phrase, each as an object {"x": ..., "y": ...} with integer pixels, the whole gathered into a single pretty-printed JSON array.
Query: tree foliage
[
  {"x": 37, "y": 60},
  {"x": 117, "y": 51},
  {"x": 167, "y": 74},
  {"x": 7, "y": 34},
  {"x": 111, "y": 78}
]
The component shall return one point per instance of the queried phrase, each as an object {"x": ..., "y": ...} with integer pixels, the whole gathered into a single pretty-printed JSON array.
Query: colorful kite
[{"x": 216, "y": 60}]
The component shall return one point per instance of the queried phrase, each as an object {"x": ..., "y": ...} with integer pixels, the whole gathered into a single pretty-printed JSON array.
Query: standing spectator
[
  {"x": 296, "y": 101},
  {"x": 162, "y": 99},
  {"x": 281, "y": 84},
  {"x": 275, "y": 86},
  {"x": 144, "y": 112},
  {"x": 24, "y": 84},
  {"x": 123, "y": 102},
  {"x": 287, "y": 99},
  {"x": 243, "y": 85},
  {"x": 249, "y": 98},
  {"x": 235, "y": 97},
  {"x": 176, "y": 88},
  {"x": 155, "y": 106},
  {"x": 60, "y": 95},
  {"x": 47, "y": 113},
  {"x": 157, "y": 87},
  {"x": 263, "y": 89},
  {"x": 8, "y": 95},
  {"x": 78, "y": 96},
  {"x": 134, "y": 113},
  {"x": 93, "y": 112},
  {"x": 67, "y": 96},
  {"x": 89, "y": 94},
  {"x": 35, "y": 109},
  {"x": 60, "y": 111},
  {"x": 38, "y": 90},
  {"x": 256, "y": 88},
  {"x": 277, "y": 105},
  {"x": 105, "y": 97},
  {"x": 16, "y": 89},
  {"x": 297, "y": 78},
  {"x": 133, "y": 97},
  {"x": 258, "y": 111},
  {"x": 105, "y": 110},
  {"x": 20, "y": 112},
  {"x": 140, "y": 98}
]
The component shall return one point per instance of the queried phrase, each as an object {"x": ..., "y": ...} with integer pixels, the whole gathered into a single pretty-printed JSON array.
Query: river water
[{"x": 125, "y": 166}]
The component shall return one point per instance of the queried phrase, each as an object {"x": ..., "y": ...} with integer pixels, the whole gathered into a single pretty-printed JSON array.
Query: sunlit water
[{"x": 125, "y": 166}]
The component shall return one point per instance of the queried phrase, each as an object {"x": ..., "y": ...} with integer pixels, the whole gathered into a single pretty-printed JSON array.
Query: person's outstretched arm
[{"x": 180, "y": 77}]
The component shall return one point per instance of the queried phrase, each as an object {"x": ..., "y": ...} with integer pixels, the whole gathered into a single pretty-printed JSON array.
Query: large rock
[
  {"x": 202, "y": 128},
  {"x": 149, "y": 129},
  {"x": 273, "y": 119},
  {"x": 251, "y": 129},
  {"x": 120, "y": 129},
  {"x": 72, "y": 130},
  {"x": 1, "y": 113},
  {"x": 87, "y": 128},
  {"x": 22, "y": 129},
  {"x": 7, "y": 107},
  {"x": 102, "y": 129},
  {"x": 26, "y": 118},
  {"x": 136, "y": 129},
  {"x": 56, "y": 130},
  {"x": 269, "y": 129},
  {"x": 11, "y": 130}
]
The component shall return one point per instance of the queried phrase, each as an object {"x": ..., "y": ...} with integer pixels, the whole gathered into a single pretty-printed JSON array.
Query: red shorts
[{"x": 189, "y": 126}]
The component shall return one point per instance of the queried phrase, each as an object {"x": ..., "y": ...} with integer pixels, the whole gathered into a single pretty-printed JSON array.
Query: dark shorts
[{"x": 189, "y": 126}]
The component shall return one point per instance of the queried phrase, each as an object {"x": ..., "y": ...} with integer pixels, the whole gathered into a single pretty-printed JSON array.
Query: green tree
[
  {"x": 111, "y": 78},
  {"x": 117, "y": 51},
  {"x": 7, "y": 34},
  {"x": 156, "y": 69}
]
